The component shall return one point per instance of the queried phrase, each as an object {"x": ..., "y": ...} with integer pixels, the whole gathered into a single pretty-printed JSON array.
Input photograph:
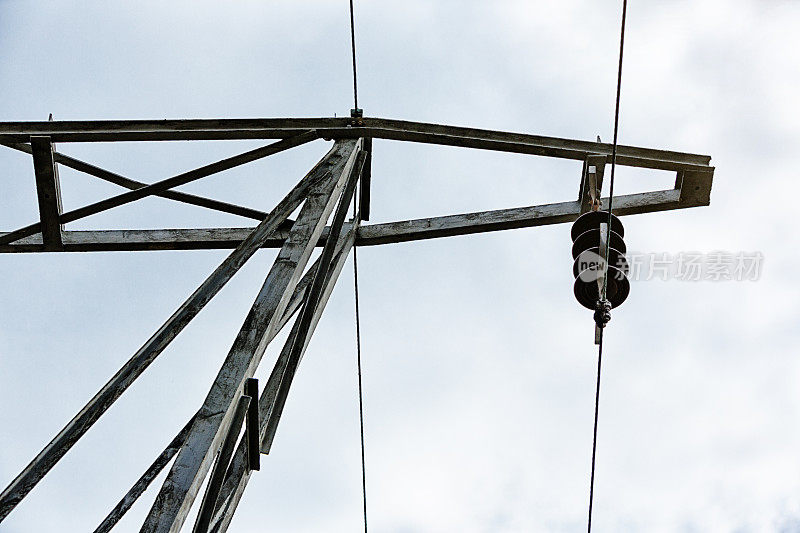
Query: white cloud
[{"x": 479, "y": 366}]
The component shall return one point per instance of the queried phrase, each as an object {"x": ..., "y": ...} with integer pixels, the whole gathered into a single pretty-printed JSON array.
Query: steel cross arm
[
  {"x": 531, "y": 145},
  {"x": 160, "y": 186},
  {"x": 122, "y": 181},
  {"x": 278, "y": 128},
  {"x": 368, "y": 235},
  {"x": 165, "y": 130},
  {"x": 505, "y": 219},
  {"x": 194, "y": 460},
  {"x": 137, "y": 364},
  {"x": 238, "y": 473}
]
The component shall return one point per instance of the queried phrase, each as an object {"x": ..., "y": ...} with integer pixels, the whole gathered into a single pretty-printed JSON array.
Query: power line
[
  {"x": 608, "y": 248},
  {"x": 360, "y": 388},
  {"x": 594, "y": 439},
  {"x": 356, "y": 113},
  {"x": 353, "y": 48},
  {"x": 616, "y": 133}
]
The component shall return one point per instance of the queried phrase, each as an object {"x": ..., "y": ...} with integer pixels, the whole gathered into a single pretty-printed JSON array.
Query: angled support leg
[
  {"x": 143, "y": 482},
  {"x": 135, "y": 366},
  {"x": 141, "y": 485},
  {"x": 273, "y": 399},
  {"x": 238, "y": 473},
  {"x": 194, "y": 460},
  {"x": 221, "y": 465},
  {"x": 307, "y": 314}
]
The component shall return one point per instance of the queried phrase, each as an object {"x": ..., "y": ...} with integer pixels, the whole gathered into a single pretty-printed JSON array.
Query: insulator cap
[
  {"x": 591, "y": 259},
  {"x": 591, "y": 239},
  {"x": 592, "y": 220},
  {"x": 587, "y": 292}
]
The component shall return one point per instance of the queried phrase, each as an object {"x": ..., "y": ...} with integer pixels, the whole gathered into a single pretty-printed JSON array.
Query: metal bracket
[
  {"x": 602, "y": 273},
  {"x": 252, "y": 425},
  {"x": 357, "y": 114},
  {"x": 591, "y": 182}
]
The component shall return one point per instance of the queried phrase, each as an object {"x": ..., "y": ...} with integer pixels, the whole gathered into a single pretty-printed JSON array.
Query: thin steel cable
[
  {"x": 356, "y": 218},
  {"x": 355, "y": 290},
  {"x": 353, "y": 47},
  {"x": 616, "y": 134},
  {"x": 360, "y": 388},
  {"x": 594, "y": 439},
  {"x": 605, "y": 279}
]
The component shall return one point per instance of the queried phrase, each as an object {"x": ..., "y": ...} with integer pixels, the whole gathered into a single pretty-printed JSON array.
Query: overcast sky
[{"x": 479, "y": 365}]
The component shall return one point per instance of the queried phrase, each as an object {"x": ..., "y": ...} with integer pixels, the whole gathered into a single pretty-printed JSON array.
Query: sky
[{"x": 478, "y": 364}]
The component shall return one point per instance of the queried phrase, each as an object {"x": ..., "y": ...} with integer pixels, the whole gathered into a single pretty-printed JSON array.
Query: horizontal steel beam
[
  {"x": 368, "y": 235},
  {"x": 505, "y": 219},
  {"x": 276, "y": 128}
]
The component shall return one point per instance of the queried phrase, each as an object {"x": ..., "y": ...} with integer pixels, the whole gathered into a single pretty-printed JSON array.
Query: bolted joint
[
  {"x": 602, "y": 313},
  {"x": 357, "y": 114}
]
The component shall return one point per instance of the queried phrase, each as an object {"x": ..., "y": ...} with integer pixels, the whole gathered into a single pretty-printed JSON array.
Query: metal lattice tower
[{"x": 207, "y": 446}]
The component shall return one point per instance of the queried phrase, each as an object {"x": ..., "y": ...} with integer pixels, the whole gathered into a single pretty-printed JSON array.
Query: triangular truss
[{"x": 207, "y": 444}]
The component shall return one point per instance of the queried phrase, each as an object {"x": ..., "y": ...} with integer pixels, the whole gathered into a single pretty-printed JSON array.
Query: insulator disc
[
  {"x": 590, "y": 260},
  {"x": 592, "y": 220},
  {"x": 587, "y": 292},
  {"x": 591, "y": 239}
]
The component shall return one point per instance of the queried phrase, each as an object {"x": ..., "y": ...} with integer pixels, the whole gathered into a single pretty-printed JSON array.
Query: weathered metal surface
[
  {"x": 122, "y": 181},
  {"x": 591, "y": 180},
  {"x": 278, "y": 128},
  {"x": 368, "y": 235},
  {"x": 169, "y": 183},
  {"x": 282, "y": 294},
  {"x": 221, "y": 465},
  {"x": 98, "y": 405},
  {"x": 48, "y": 192},
  {"x": 253, "y": 426},
  {"x": 162, "y": 130},
  {"x": 308, "y": 310},
  {"x": 141, "y": 485},
  {"x": 239, "y": 474},
  {"x": 366, "y": 182},
  {"x": 143, "y": 482},
  {"x": 503, "y": 219},
  {"x": 193, "y": 461}
]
